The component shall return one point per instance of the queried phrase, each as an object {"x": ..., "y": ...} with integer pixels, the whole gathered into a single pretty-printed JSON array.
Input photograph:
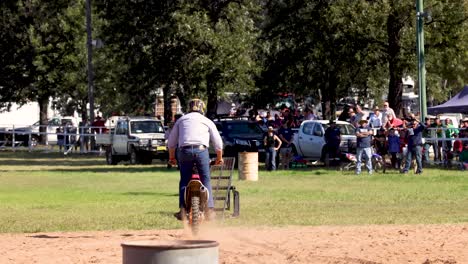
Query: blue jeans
[
  {"x": 426, "y": 152},
  {"x": 416, "y": 151},
  {"x": 186, "y": 158},
  {"x": 270, "y": 159},
  {"x": 368, "y": 153}
]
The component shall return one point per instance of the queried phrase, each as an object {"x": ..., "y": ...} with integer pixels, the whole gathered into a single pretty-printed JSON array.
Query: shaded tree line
[{"x": 204, "y": 48}]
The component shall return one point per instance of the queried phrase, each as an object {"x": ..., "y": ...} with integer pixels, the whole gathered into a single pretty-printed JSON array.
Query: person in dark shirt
[
  {"x": 272, "y": 143},
  {"x": 414, "y": 138},
  {"x": 364, "y": 137},
  {"x": 333, "y": 140},
  {"x": 285, "y": 134}
]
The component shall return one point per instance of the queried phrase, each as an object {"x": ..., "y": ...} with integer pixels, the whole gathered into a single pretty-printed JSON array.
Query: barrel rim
[{"x": 170, "y": 244}]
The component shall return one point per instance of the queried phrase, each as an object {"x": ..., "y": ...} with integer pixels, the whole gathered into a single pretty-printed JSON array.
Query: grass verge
[{"x": 51, "y": 192}]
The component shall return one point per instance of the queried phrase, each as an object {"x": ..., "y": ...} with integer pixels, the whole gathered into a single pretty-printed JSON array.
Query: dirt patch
[{"x": 425, "y": 244}]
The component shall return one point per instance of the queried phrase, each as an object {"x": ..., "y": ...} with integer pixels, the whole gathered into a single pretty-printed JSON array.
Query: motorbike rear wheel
[{"x": 194, "y": 219}]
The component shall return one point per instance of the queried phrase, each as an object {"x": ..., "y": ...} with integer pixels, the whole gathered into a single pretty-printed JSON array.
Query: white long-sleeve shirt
[{"x": 194, "y": 129}]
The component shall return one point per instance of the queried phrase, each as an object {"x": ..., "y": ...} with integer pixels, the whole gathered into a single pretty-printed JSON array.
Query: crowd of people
[
  {"x": 381, "y": 131},
  {"x": 405, "y": 138}
]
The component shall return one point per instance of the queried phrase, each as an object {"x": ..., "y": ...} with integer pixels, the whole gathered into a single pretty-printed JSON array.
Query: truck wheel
[
  {"x": 110, "y": 159},
  {"x": 133, "y": 156}
]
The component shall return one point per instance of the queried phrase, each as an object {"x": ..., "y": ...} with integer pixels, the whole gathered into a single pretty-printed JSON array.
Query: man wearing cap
[
  {"x": 414, "y": 139},
  {"x": 272, "y": 143},
  {"x": 364, "y": 139},
  {"x": 333, "y": 140}
]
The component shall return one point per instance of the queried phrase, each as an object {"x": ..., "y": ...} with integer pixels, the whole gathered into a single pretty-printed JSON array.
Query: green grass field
[{"x": 51, "y": 192}]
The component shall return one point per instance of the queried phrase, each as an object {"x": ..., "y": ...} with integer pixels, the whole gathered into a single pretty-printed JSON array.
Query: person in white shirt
[
  {"x": 376, "y": 119},
  {"x": 386, "y": 111},
  {"x": 192, "y": 135}
]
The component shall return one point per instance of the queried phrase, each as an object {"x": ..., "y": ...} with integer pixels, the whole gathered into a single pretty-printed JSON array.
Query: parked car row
[{"x": 308, "y": 139}]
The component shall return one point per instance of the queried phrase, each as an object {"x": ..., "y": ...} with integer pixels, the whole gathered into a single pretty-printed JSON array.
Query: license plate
[{"x": 161, "y": 148}]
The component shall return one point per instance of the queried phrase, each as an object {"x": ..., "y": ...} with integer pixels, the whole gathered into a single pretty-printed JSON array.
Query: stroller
[{"x": 378, "y": 163}]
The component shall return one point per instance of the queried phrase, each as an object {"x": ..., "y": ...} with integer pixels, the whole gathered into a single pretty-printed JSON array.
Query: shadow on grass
[
  {"x": 150, "y": 194},
  {"x": 103, "y": 169},
  {"x": 24, "y": 158}
]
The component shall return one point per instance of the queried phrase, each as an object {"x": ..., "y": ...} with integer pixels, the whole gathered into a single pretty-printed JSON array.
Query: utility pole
[
  {"x": 89, "y": 45},
  {"x": 421, "y": 60}
]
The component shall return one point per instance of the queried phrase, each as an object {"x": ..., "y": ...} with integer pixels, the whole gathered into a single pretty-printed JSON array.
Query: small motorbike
[
  {"x": 378, "y": 163},
  {"x": 196, "y": 202}
]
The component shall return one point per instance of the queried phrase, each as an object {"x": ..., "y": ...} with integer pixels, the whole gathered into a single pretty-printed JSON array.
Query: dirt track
[{"x": 426, "y": 244}]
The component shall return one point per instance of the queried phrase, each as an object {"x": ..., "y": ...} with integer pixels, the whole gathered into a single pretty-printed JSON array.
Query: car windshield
[
  {"x": 243, "y": 128},
  {"x": 140, "y": 127},
  {"x": 345, "y": 129}
]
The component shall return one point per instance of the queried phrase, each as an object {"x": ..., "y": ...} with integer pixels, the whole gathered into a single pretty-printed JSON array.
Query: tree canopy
[{"x": 327, "y": 49}]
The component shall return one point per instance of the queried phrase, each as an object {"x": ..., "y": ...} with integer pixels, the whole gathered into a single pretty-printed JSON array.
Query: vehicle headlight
[
  {"x": 143, "y": 141},
  {"x": 157, "y": 142}
]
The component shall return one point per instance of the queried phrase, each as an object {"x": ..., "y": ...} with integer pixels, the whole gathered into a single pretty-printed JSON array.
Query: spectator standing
[
  {"x": 352, "y": 117},
  {"x": 344, "y": 116},
  {"x": 380, "y": 142},
  {"x": 84, "y": 137},
  {"x": 309, "y": 114},
  {"x": 333, "y": 140},
  {"x": 278, "y": 121},
  {"x": 99, "y": 125},
  {"x": 393, "y": 140},
  {"x": 386, "y": 111},
  {"x": 414, "y": 137},
  {"x": 438, "y": 127},
  {"x": 191, "y": 135},
  {"x": 375, "y": 121},
  {"x": 450, "y": 132},
  {"x": 272, "y": 143},
  {"x": 427, "y": 143},
  {"x": 285, "y": 134},
  {"x": 60, "y": 137},
  {"x": 393, "y": 122},
  {"x": 359, "y": 115},
  {"x": 458, "y": 144},
  {"x": 364, "y": 140}
]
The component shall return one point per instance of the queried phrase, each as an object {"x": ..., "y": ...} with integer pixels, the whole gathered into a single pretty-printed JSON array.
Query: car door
[
  {"x": 306, "y": 139},
  {"x": 318, "y": 135},
  {"x": 121, "y": 137},
  {"x": 52, "y": 126}
]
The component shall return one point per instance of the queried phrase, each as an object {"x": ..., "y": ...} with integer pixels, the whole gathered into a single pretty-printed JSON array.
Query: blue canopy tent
[{"x": 456, "y": 104}]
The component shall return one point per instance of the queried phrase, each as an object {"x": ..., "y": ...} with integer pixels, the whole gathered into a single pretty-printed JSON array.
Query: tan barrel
[{"x": 248, "y": 166}]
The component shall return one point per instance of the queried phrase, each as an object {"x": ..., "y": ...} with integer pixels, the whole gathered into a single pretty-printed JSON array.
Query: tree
[{"x": 46, "y": 35}]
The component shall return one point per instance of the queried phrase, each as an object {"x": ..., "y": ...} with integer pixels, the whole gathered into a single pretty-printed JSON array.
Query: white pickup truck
[
  {"x": 309, "y": 141},
  {"x": 136, "y": 139}
]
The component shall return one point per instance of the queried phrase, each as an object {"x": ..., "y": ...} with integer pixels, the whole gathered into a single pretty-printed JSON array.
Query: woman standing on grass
[{"x": 272, "y": 143}]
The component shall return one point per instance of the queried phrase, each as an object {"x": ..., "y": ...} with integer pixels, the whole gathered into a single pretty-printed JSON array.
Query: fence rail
[{"x": 70, "y": 140}]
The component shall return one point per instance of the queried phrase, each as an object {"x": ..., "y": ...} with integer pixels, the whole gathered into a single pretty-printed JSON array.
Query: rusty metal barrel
[{"x": 170, "y": 252}]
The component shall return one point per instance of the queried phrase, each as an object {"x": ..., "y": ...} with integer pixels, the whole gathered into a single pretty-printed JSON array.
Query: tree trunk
[
  {"x": 212, "y": 106},
  {"x": 395, "y": 86},
  {"x": 43, "y": 118},
  {"x": 212, "y": 91}
]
